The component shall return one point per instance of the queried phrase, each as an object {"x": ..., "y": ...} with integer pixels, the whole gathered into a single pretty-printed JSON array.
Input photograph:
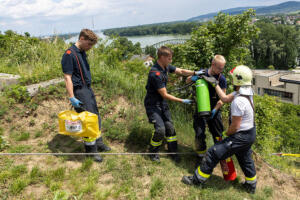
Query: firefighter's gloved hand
[
  {"x": 213, "y": 113},
  {"x": 194, "y": 78},
  {"x": 186, "y": 101},
  {"x": 212, "y": 80},
  {"x": 200, "y": 72},
  {"x": 75, "y": 102}
]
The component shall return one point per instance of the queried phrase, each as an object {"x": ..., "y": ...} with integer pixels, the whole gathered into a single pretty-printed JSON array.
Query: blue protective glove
[
  {"x": 213, "y": 113},
  {"x": 186, "y": 101},
  {"x": 75, "y": 102},
  {"x": 194, "y": 78}
]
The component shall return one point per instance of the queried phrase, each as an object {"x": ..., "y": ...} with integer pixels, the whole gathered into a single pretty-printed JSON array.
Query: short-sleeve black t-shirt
[
  {"x": 214, "y": 98},
  {"x": 157, "y": 79},
  {"x": 69, "y": 64}
]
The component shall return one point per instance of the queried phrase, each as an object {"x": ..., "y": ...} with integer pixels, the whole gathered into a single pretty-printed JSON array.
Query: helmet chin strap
[{"x": 236, "y": 88}]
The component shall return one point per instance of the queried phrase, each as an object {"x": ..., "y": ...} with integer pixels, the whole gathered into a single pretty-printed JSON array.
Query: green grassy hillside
[{"x": 30, "y": 125}]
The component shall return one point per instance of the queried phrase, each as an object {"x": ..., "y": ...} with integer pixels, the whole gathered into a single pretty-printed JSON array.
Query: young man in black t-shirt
[
  {"x": 214, "y": 122},
  {"x": 156, "y": 106},
  {"x": 78, "y": 81}
]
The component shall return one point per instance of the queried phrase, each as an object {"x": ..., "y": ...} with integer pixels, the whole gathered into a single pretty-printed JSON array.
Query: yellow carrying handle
[{"x": 287, "y": 154}]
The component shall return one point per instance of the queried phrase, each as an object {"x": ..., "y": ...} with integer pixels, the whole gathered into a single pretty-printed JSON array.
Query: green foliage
[
  {"x": 277, "y": 45},
  {"x": 18, "y": 185},
  {"x": 157, "y": 187},
  {"x": 61, "y": 195},
  {"x": 3, "y": 108},
  {"x": 17, "y": 93},
  {"x": 22, "y": 136},
  {"x": 57, "y": 174},
  {"x": 150, "y": 50},
  {"x": 154, "y": 29},
  {"x": 278, "y": 126},
  {"x": 87, "y": 164},
  {"x": 227, "y": 35},
  {"x": 20, "y": 149},
  {"x": 135, "y": 66},
  {"x": 289, "y": 127},
  {"x": 121, "y": 49},
  {"x": 35, "y": 60},
  {"x": 268, "y": 137},
  {"x": 18, "y": 170},
  {"x": 35, "y": 174}
]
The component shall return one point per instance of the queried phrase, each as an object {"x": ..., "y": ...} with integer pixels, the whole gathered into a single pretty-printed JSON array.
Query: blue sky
[{"x": 42, "y": 17}]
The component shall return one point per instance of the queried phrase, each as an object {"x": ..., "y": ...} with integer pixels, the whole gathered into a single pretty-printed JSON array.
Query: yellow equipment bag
[{"x": 84, "y": 124}]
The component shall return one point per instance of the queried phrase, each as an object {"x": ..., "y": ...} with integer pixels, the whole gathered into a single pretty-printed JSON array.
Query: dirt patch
[
  {"x": 31, "y": 161},
  {"x": 284, "y": 186},
  {"x": 105, "y": 182},
  {"x": 120, "y": 109},
  {"x": 35, "y": 191}
]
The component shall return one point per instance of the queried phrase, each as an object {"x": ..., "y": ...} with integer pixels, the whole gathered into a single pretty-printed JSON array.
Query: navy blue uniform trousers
[{"x": 238, "y": 144}]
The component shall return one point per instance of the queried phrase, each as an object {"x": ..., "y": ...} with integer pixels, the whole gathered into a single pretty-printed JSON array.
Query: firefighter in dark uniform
[
  {"x": 241, "y": 132},
  {"x": 156, "y": 105},
  {"x": 214, "y": 122},
  {"x": 78, "y": 83}
]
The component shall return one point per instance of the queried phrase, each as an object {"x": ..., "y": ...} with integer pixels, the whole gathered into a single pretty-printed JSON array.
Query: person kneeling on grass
[{"x": 240, "y": 135}]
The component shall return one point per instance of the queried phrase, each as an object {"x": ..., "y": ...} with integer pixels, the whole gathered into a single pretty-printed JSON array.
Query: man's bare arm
[
  {"x": 69, "y": 84},
  {"x": 163, "y": 92}
]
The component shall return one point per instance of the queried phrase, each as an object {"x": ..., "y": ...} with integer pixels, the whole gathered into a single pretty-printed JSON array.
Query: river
[{"x": 143, "y": 40}]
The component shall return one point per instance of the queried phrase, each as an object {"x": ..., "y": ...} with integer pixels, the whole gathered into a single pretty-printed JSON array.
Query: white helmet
[{"x": 241, "y": 75}]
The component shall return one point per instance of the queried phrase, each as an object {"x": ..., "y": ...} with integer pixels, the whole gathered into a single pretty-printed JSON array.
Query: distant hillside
[
  {"x": 287, "y": 7},
  {"x": 178, "y": 27}
]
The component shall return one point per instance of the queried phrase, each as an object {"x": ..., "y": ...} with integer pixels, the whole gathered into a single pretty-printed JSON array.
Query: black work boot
[
  {"x": 93, "y": 149},
  {"x": 154, "y": 157},
  {"x": 191, "y": 180},
  {"x": 249, "y": 187},
  {"x": 176, "y": 158},
  {"x": 101, "y": 146},
  {"x": 172, "y": 148}
]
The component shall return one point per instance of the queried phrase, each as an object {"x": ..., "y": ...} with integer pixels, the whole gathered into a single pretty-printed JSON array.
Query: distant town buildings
[
  {"x": 293, "y": 19},
  {"x": 279, "y": 83}
]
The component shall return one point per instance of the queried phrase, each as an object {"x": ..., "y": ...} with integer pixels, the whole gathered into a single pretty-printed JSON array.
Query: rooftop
[
  {"x": 269, "y": 72},
  {"x": 290, "y": 78}
]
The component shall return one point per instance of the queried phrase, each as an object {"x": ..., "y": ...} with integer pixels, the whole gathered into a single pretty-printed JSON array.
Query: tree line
[{"x": 154, "y": 29}]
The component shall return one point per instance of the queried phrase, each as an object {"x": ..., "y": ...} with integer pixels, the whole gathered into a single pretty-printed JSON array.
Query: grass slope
[{"x": 126, "y": 129}]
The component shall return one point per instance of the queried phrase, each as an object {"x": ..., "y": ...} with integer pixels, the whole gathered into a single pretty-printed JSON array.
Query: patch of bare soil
[
  {"x": 35, "y": 191},
  {"x": 284, "y": 186},
  {"x": 120, "y": 109}
]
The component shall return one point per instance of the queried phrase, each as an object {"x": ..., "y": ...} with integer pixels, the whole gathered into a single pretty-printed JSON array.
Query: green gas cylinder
[{"x": 202, "y": 95}]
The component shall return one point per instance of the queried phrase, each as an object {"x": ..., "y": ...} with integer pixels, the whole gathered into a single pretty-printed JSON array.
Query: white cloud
[
  {"x": 19, "y": 9},
  {"x": 44, "y": 16}
]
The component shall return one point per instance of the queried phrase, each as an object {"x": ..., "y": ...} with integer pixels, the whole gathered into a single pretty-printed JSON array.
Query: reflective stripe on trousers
[
  {"x": 155, "y": 144},
  {"x": 171, "y": 138},
  {"x": 251, "y": 180},
  {"x": 89, "y": 140},
  {"x": 201, "y": 175}
]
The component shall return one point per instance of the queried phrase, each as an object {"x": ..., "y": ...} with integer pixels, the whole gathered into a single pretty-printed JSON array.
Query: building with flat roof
[{"x": 279, "y": 83}]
